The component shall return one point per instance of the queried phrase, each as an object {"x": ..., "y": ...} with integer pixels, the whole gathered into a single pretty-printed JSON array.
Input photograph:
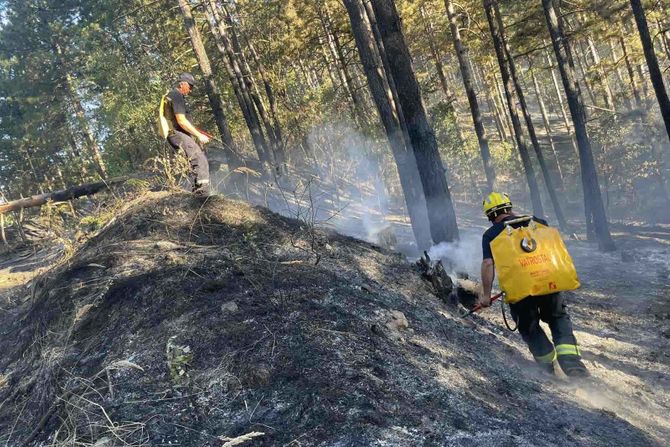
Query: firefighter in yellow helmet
[{"x": 528, "y": 311}]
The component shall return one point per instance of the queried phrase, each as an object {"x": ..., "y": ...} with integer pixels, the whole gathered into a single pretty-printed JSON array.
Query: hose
[{"x": 502, "y": 308}]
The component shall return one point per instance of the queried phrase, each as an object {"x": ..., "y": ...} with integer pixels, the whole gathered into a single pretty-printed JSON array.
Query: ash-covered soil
[{"x": 189, "y": 322}]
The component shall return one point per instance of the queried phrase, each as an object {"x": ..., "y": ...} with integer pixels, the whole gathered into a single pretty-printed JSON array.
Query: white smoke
[
  {"x": 355, "y": 161},
  {"x": 462, "y": 256}
]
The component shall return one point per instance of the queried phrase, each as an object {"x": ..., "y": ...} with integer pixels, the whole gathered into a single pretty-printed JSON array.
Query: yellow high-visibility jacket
[{"x": 166, "y": 117}]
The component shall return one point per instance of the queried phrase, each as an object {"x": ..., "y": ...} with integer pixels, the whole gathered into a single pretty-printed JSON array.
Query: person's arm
[
  {"x": 185, "y": 124},
  {"x": 488, "y": 274}
]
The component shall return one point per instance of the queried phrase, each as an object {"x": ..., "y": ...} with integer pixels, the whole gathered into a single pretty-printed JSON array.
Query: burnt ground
[{"x": 184, "y": 321}]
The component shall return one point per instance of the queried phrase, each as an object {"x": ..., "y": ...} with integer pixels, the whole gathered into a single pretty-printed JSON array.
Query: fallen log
[
  {"x": 435, "y": 273},
  {"x": 67, "y": 194}
]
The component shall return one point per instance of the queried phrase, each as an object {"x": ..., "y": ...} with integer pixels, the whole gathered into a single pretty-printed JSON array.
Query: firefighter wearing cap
[
  {"x": 175, "y": 126},
  {"x": 529, "y": 311}
]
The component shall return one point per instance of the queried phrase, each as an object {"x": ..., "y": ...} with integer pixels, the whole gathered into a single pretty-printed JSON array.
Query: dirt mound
[{"x": 189, "y": 322}]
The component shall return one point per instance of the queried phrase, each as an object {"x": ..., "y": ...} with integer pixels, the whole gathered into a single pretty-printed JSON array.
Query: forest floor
[{"x": 190, "y": 322}]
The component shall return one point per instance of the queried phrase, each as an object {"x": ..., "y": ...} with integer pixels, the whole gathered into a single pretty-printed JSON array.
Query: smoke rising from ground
[
  {"x": 356, "y": 165},
  {"x": 462, "y": 256}
]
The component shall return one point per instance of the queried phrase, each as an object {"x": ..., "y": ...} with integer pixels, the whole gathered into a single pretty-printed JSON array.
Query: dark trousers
[
  {"x": 550, "y": 309},
  {"x": 197, "y": 158}
]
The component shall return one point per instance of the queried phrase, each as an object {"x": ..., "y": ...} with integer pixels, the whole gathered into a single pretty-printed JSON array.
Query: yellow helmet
[{"x": 496, "y": 201}]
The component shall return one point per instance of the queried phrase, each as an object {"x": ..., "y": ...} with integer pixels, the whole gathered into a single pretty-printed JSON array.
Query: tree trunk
[
  {"x": 372, "y": 19},
  {"x": 513, "y": 111},
  {"x": 475, "y": 77},
  {"x": 582, "y": 64},
  {"x": 495, "y": 113},
  {"x": 64, "y": 183},
  {"x": 619, "y": 78},
  {"x": 77, "y": 161},
  {"x": 592, "y": 197},
  {"x": 65, "y": 194},
  {"x": 257, "y": 107},
  {"x": 90, "y": 140},
  {"x": 232, "y": 65},
  {"x": 381, "y": 93},
  {"x": 643, "y": 81},
  {"x": 652, "y": 63},
  {"x": 75, "y": 102},
  {"x": 492, "y": 105},
  {"x": 557, "y": 90},
  {"x": 252, "y": 89},
  {"x": 435, "y": 53},
  {"x": 335, "y": 47},
  {"x": 463, "y": 62},
  {"x": 211, "y": 88},
  {"x": 503, "y": 104},
  {"x": 546, "y": 122},
  {"x": 2, "y": 230},
  {"x": 328, "y": 63},
  {"x": 631, "y": 73},
  {"x": 665, "y": 36},
  {"x": 441, "y": 215},
  {"x": 549, "y": 183},
  {"x": 269, "y": 92},
  {"x": 602, "y": 78}
]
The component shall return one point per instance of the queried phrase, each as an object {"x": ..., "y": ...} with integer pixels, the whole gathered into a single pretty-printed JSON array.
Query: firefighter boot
[{"x": 572, "y": 366}]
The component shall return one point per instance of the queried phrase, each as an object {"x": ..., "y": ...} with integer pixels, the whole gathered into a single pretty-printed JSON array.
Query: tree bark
[
  {"x": 513, "y": 110},
  {"x": 213, "y": 93},
  {"x": 381, "y": 94},
  {"x": 466, "y": 75},
  {"x": 90, "y": 140},
  {"x": 652, "y": 62},
  {"x": 441, "y": 214},
  {"x": 61, "y": 177},
  {"x": 592, "y": 197},
  {"x": 645, "y": 88}
]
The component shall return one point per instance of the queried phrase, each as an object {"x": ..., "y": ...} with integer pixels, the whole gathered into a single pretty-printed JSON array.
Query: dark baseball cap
[{"x": 187, "y": 77}]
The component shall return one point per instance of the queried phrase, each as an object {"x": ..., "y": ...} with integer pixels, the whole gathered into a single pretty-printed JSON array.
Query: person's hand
[
  {"x": 484, "y": 300},
  {"x": 203, "y": 139}
]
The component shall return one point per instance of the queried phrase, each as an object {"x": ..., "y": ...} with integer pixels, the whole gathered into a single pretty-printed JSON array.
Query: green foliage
[{"x": 117, "y": 57}]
